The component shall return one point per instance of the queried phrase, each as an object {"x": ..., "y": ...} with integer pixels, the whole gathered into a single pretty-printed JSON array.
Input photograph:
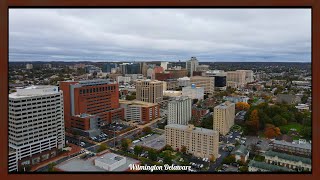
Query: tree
[
  {"x": 229, "y": 159},
  {"x": 152, "y": 155},
  {"x": 183, "y": 149},
  {"x": 138, "y": 150},
  {"x": 212, "y": 158},
  {"x": 102, "y": 147},
  {"x": 147, "y": 130},
  {"x": 253, "y": 123},
  {"x": 168, "y": 147},
  {"x": 242, "y": 106},
  {"x": 207, "y": 122},
  {"x": 306, "y": 132},
  {"x": 51, "y": 167},
  {"x": 129, "y": 98},
  {"x": 271, "y": 131},
  {"x": 125, "y": 143},
  {"x": 167, "y": 159}
]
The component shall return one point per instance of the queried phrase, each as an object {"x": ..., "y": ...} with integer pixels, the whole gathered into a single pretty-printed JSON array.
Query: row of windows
[{"x": 97, "y": 89}]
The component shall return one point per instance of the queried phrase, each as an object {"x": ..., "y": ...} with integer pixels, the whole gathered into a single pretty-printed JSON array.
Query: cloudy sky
[{"x": 160, "y": 34}]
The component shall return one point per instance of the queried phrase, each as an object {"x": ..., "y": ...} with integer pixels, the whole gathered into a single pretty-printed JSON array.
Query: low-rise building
[
  {"x": 256, "y": 166},
  {"x": 288, "y": 98},
  {"x": 206, "y": 82},
  {"x": 241, "y": 153},
  {"x": 140, "y": 111},
  {"x": 236, "y": 99},
  {"x": 193, "y": 92},
  {"x": 200, "y": 142},
  {"x": 303, "y": 149},
  {"x": 286, "y": 160},
  {"x": 172, "y": 93},
  {"x": 184, "y": 81}
]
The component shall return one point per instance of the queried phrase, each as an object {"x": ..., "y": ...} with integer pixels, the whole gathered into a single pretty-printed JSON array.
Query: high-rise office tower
[
  {"x": 192, "y": 65},
  {"x": 179, "y": 110},
  {"x": 36, "y": 125},
  {"x": 223, "y": 117},
  {"x": 149, "y": 90}
]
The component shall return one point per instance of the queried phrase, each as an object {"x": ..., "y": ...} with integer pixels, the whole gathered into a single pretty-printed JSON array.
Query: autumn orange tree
[
  {"x": 253, "y": 122},
  {"x": 271, "y": 131},
  {"x": 242, "y": 106}
]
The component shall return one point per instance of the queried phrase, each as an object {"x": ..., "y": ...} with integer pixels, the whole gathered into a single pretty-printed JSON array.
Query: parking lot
[
  {"x": 78, "y": 142},
  {"x": 264, "y": 143},
  {"x": 154, "y": 141},
  {"x": 115, "y": 127}
]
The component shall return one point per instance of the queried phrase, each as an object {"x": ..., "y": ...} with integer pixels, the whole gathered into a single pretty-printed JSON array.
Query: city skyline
[{"x": 246, "y": 35}]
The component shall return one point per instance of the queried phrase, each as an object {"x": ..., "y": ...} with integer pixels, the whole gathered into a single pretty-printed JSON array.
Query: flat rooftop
[
  {"x": 136, "y": 102},
  {"x": 285, "y": 143},
  {"x": 34, "y": 91},
  {"x": 195, "y": 129},
  {"x": 80, "y": 165}
]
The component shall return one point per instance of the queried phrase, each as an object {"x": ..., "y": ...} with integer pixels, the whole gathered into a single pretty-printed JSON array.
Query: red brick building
[
  {"x": 94, "y": 97},
  {"x": 163, "y": 76}
]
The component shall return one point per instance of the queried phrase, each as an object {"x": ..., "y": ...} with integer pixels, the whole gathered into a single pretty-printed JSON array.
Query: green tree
[
  {"x": 138, "y": 150},
  {"x": 167, "y": 159},
  {"x": 229, "y": 159},
  {"x": 102, "y": 147},
  {"x": 125, "y": 143},
  {"x": 152, "y": 154},
  {"x": 51, "y": 166},
  {"x": 184, "y": 149}
]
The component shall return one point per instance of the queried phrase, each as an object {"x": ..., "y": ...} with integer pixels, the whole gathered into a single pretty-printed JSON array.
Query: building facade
[
  {"x": 193, "y": 92},
  {"x": 286, "y": 160},
  {"x": 200, "y": 142},
  {"x": 149, "y": 90},
  {"x": 140, "y": 111},
  {"x": 223, "y": 117},
  {"x": 179, "y": 110},
  {"x": 36, "y": 125},
  {"x": 191, "y": 65},
  {"x": 206, "y": 82},
  {"x": 238, "y": 77},
  {"x": 96, "y": 97}
]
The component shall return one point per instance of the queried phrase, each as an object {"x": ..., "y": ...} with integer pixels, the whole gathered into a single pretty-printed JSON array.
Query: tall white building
[
  {"x": 179, "y": 110},
  {"x": 164, "y": 65},
  {"x": 36, "y": 125},
  {"x": 193, "y": 92},
  {"x": 192, "y": 65}
]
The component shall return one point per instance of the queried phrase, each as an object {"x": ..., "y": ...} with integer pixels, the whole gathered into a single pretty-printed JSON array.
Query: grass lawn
[{"x": 292, "y": 126}]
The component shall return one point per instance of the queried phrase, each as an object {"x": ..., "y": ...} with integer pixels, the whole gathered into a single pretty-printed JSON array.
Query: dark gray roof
[
  {"x": 268, "y": 167},
  {"x": 288, "y": 157},
  {"x": 302, "y": 146}
]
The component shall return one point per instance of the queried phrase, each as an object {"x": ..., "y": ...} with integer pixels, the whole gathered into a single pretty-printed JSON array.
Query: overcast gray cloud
[{"x": 160, "y": 34}]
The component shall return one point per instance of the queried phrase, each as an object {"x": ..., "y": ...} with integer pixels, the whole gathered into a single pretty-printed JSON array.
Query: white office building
[
  {"x": 192, "y": 65},
  {"x": 179, "y": 110},
  {"x": 123, "y": 79},
  {"x": 193, "y": 92},
  {"x": 184, "y": 81},
  {"x": 36, "y": 125}
]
